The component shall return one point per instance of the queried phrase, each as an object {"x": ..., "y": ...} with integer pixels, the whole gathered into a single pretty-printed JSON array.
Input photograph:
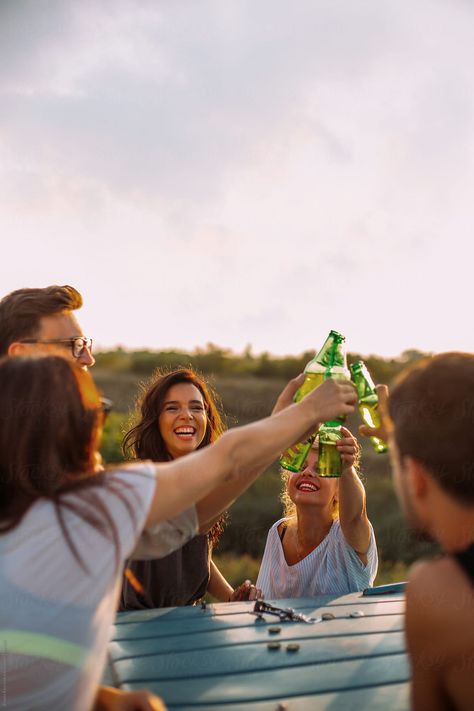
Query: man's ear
[
  {"x": 417, "y": 479},
  {"x": 17, "y": 349}
]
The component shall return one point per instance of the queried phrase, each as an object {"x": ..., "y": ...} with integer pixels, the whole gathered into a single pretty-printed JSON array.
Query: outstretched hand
[
  {"x": 333, "y": 399},
  {"x": 381, "y": 432},
  {"x": 110, "y": 699},
  {"x": 287, "y": 395},
  {"x": 348, "y": 448}
]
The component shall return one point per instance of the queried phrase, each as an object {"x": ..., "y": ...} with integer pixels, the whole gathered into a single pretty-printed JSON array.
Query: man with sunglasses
[{"x": 36, "y": 321}]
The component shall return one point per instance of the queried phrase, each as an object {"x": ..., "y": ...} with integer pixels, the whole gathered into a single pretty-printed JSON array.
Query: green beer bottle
[
  {"x": 329, "y": 362},
  {"x": 329, "y": 459},
  {"x": 368, "y": 401}
]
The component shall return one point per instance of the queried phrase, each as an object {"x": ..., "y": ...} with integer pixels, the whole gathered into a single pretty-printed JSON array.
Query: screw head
[
  {"x": 328, "y": 616},
  {"x": 273, "y": 645}
]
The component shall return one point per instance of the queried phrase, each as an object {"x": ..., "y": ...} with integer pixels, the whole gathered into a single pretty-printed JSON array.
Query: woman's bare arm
[
  {"x": 218, "y": 586},
  {"x": 216, "y": 475},
  {"x": 352, "y": 512}
]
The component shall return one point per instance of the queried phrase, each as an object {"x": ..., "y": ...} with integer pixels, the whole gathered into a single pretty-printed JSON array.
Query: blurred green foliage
[{"x": 248, "y": 386}]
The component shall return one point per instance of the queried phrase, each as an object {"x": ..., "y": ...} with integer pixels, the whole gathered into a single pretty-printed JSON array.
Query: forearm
[
  {"x": 241, "y": 454},
  {"x": 218, "y": 586},
  {"x": 227, "y": 467},
  {"x": 254, "y": 447},
  {"x": 222, "y": 497},
  {"x": 352, "y": 511},
  {"x": 351, "y": 496}
]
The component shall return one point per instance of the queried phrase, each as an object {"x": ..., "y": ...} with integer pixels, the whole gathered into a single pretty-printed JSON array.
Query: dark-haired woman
[
  {"x": 178, "y": 416},
  {"x": 66, "y": 529}
]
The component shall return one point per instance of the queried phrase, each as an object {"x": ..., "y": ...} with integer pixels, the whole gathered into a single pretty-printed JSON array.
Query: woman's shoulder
[
  {"x": 276, "y": 531},
  {"x": 279, "y": 525}
]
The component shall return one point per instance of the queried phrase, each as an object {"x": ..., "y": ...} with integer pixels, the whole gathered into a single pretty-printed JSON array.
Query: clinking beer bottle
[
  {"x": 329, "y": 459},
  {"x": 368, "y": 401},
  {"x": 329, "y": 362}
]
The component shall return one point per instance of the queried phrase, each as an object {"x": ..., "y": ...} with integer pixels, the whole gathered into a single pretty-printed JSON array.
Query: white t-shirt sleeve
[
  {"x": 167, "y": 536},
  {"x": 127, "y": 496},
  {"x": 136, "y": 483}
]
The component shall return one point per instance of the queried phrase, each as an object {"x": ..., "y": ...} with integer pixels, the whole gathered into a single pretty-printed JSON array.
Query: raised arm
[
  {"x": 352, "y": 512},
  {"x": 216, "y": 475}
]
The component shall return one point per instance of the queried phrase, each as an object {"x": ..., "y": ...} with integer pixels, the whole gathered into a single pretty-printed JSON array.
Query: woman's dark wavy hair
[
  {"x": 144, "y": 440},
  {"x": 50, "y": 424}
]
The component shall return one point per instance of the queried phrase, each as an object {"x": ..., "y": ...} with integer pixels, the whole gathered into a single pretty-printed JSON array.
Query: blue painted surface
[{"x": 218, "y": 658}]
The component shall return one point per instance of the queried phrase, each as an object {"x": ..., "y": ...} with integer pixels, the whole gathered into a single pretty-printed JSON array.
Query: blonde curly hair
[{"x": 289, "y": 507}]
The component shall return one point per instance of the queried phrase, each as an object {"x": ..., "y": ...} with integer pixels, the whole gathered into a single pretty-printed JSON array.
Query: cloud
[{"x": 240, "y": 171}]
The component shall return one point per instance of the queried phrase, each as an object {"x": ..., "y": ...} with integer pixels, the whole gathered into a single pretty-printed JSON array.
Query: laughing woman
[
  {"x": 325, "y": 543},
  {"x": 178, "y": 416}
]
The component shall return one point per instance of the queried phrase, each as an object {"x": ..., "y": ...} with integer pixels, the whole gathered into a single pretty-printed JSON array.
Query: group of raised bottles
[{"x": 331, "y": 362}]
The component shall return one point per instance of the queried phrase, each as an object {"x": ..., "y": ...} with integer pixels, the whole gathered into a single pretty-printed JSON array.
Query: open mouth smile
[
  {"x": 307, "y": 486},
  {"x": 185, "y": 432}
]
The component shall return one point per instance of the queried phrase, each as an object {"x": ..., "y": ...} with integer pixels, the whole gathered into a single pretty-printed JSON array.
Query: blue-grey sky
[{"x": 242, "y": 171}]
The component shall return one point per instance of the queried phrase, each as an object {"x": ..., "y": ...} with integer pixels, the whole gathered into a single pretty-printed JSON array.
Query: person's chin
[
  {"x": 419, "y": 534},
  {"x": 186, "y": 447}
]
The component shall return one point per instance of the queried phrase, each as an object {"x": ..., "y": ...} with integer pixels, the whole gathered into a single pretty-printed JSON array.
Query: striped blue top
[{"x": 333, "y": 567}]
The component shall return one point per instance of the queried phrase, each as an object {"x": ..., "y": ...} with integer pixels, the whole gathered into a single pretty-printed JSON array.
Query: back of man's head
[
  {"x": 432, "y": 409},
  {"x": 21, "y": 311}
]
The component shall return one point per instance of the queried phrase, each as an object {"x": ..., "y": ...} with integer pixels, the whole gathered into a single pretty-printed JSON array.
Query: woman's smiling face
[
  {"x": 307, "y": 488},
  {"x": 183, "y": 419}
]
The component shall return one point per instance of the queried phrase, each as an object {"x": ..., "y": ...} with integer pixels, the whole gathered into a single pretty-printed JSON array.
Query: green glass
[
  {"x": 329, "y": 459},
  {"x": 329, "y": 362},
  {"x": 368, "y": 401}
]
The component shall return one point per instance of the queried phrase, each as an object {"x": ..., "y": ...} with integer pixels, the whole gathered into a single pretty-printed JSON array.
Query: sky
[{"x": 243, "y": 171}]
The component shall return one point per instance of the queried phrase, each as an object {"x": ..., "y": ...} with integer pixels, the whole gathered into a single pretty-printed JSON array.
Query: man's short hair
[
  {"x": 432, "y": 409},
  {"x": 21, "y": 311}
]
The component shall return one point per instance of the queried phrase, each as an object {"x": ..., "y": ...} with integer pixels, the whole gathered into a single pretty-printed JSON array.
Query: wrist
[{"x": 311, "y": 413}]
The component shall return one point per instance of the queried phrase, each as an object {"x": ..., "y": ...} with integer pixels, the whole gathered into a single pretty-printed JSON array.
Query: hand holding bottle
[
  {"x": 382, "y": 431},
  {"x": 349, "y": 449},
  {"x": 287, "y": 395},
  {"x": 333, "y": 399}
]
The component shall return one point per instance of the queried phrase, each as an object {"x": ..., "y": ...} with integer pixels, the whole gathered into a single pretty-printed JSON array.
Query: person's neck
[
  {"x": 312, "y": 526},
  {"x": 454, "y": 525}
]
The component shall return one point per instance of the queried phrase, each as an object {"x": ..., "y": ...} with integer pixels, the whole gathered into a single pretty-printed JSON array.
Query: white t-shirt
[
  {"x": 56, "y": 617},
  {"x": 332, "y": 568}
]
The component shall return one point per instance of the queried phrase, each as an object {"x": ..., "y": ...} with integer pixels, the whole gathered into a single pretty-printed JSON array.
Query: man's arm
[{"x": 424, "y": 643}]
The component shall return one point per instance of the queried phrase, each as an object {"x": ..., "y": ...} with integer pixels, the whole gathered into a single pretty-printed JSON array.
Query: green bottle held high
[
  {"x": 329, "y": 362},
  {"x": 368, "y": 401}
]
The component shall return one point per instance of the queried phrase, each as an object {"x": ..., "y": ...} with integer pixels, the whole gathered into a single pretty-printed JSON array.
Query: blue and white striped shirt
[{"x": 333, "y": 567}]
